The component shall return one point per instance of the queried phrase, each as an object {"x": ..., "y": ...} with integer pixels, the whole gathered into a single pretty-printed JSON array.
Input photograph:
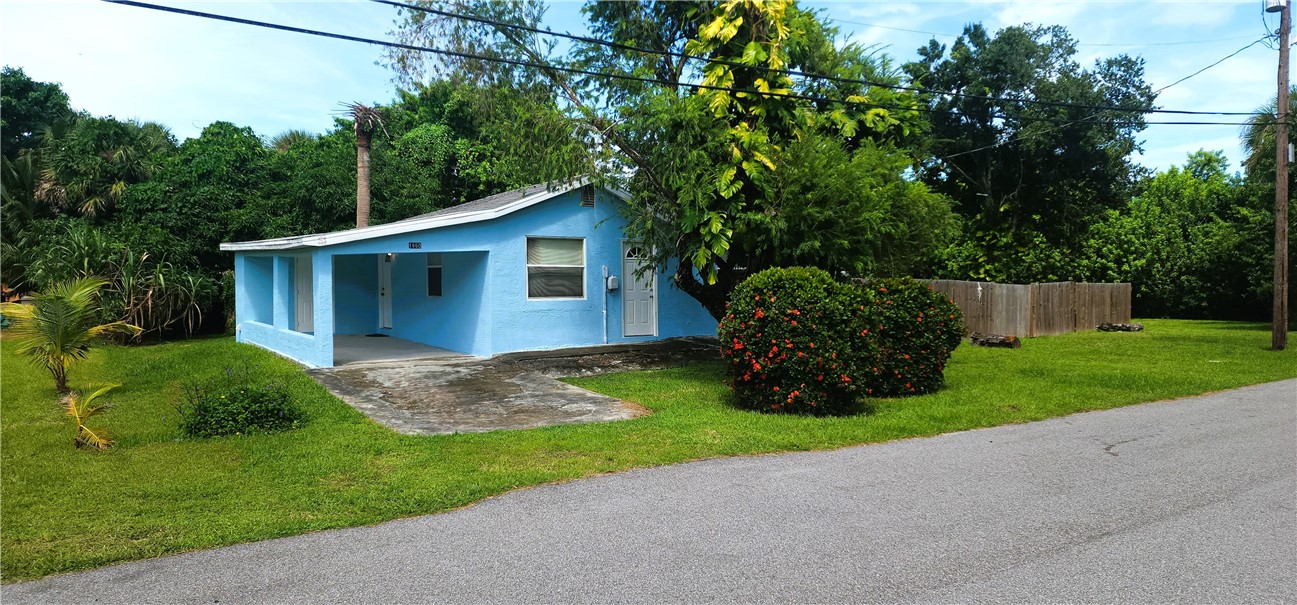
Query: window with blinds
[{"x": 555, "y": 268}]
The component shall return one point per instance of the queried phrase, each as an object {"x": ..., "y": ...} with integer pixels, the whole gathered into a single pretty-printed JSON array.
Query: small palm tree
[
  {"x": 58, "y": 327},
  {"x": 80, "y": 409},
  {"x": 1258, "y": 137},
  {"x": 288, "y": 138}
]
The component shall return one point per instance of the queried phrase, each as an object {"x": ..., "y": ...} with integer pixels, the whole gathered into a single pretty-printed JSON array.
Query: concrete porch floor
[
  {"x": 437, "y": 392},
  {"x": 350, "y": 349}
]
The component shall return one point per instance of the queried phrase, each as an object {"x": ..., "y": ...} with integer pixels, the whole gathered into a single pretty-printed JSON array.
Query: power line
[
  {"x": 518, "y": 63},
  {"x": 1218, "y": 62},
  {"x": 790, "y": 72}
]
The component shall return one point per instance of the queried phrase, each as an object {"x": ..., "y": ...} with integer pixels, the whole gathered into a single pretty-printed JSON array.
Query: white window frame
[
  {"x": 526, "y": 274},
  {"x": 439, "y": 265}
]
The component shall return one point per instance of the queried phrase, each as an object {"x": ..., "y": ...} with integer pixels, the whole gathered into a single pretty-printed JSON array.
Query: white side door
[
  {"x": 639, "y": 315},
  {"x": 304, "y": 312},
  {"x": 385, "y": 290}
]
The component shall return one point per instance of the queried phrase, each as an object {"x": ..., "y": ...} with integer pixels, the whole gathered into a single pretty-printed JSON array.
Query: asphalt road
[{"x": 1186, "y": 501}]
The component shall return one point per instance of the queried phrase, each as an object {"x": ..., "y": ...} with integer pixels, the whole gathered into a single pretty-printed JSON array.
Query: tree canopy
[
  {"x": 27, "y": 108},
  {"x": 1023, "y": 146},
  {"x": 721, "y": 174}
]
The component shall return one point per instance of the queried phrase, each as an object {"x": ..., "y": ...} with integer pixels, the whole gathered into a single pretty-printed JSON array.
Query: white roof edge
[{"x": 319, "y": 240}]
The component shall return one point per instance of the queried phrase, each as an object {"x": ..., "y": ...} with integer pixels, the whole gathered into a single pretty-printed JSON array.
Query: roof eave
[{"x": 397, "y": 228}]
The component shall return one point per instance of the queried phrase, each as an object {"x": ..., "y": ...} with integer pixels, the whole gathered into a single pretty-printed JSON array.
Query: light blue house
[{"x": 542, "y": 267}]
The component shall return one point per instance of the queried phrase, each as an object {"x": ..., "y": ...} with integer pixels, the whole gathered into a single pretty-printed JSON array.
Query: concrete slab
[
  {"x": 350, "y": 349},
  {"x": 456, "y": 393}
]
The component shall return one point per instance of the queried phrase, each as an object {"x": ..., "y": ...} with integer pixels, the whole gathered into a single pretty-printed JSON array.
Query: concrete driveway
[
  {"x": 1186, "y": 501},
  {"x": 453, "y": 393}
]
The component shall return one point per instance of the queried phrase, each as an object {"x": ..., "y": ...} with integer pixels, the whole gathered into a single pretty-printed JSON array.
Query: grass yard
[{"x": 63, "y": 509}]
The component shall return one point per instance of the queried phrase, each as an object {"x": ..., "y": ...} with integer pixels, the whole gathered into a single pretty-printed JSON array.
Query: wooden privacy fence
[{"x": 1026, "y": 310}]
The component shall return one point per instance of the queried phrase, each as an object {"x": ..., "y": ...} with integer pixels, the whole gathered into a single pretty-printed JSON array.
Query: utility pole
[{"x": 1279, "y": 321}]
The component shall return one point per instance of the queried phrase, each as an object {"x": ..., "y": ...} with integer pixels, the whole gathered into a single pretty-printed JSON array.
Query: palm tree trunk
[
  {"x": 363, "y": 137},
  {"x": 60, "y": 372}
]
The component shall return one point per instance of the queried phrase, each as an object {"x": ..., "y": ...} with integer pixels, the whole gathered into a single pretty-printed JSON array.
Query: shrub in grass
[
  {"x": 792, "y": 339},
  {"x": 915, "y": 330},
  {"x": 235, "y": 404}
]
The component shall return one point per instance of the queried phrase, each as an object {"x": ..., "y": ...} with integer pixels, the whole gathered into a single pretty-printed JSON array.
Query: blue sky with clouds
[{"x": 186, "y": 72}]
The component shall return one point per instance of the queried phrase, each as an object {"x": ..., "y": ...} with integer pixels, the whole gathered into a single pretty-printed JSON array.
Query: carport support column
[
  {"x": 322, "y": 282},
  {"x": 242, "y": 300},
  {"x": 283, "y": 292}
]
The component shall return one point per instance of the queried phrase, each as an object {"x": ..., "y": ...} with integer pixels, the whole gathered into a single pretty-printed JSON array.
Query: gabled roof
[{"x": 485, "y": 209}]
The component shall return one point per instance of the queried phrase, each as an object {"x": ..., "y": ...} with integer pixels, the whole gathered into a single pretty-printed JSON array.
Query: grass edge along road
[{"x": 154, "y": 494}]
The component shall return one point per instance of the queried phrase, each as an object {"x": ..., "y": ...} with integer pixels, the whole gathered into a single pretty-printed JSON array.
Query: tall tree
[
  {"x": 706, "y": 167},
  {"x": 1022, "y": 146},
  {"x": 366, "y": 120},
  {"x": 27, "y": 107}
]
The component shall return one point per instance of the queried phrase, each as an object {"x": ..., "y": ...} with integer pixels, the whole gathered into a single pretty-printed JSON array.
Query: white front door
[
  {"x": 639, "y": 315},
  {"x": 385, "y": 290},
  {"x": 303, "y": 294}
]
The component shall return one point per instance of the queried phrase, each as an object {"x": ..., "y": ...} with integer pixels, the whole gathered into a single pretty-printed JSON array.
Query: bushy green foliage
[
  {"x": 799, "y": 342},
  {"x": 791, "y": 338},
  {"x": 1012, "y": 177},
  {"x": 236, "y": 404},
  {"x": 915, "y": 330},
  {"x": 27, "y": 107},
  {"x": 141, "y": 288}
]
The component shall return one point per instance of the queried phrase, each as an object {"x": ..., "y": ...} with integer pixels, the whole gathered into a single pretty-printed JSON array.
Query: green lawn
[{"x": 63, "y": 510}]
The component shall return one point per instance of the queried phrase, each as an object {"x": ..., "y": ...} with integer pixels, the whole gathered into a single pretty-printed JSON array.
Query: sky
[{"x": 186, "y": 72}]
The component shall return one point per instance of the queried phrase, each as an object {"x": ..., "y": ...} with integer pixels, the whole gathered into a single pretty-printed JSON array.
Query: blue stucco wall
[
  {"x": 355, "y": 297},
  {"x": 458, "y": 319},
  {"x": 484, "y": 309},
  {"x": 264, "y": 306}
]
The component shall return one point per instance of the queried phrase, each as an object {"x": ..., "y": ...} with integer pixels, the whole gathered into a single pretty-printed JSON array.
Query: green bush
[
  {"x": 235, "y": 405},
  {"x": 915, "y": 330},
  {"x": 791, "y": 337},
  {"x": 799, "y": 342}
]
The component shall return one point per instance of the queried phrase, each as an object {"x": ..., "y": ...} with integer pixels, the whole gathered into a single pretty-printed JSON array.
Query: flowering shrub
[
  {"x": 916, "y": 329},
  {"x": 799, "y": 342},
  {"x": 236, "y": 405},
  {"x": 790, "y": 336}
]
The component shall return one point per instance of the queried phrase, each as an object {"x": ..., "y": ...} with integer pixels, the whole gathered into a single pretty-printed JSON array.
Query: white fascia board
[{"x": 406, "y": 226}]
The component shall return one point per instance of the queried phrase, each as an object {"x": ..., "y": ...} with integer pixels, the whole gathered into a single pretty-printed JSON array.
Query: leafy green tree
[
  {"x": 1188, "y": 244},
  {"x": 88, "y": 169},
  {"x": 60, "y": 326},
  {"x": 27, "y": 108},
  {"x": 1022, "y": 173},
  {"x": 204, "y": 191},
  {"x": 705, "y": 165},
  {"x": 19, "y": 208}
]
